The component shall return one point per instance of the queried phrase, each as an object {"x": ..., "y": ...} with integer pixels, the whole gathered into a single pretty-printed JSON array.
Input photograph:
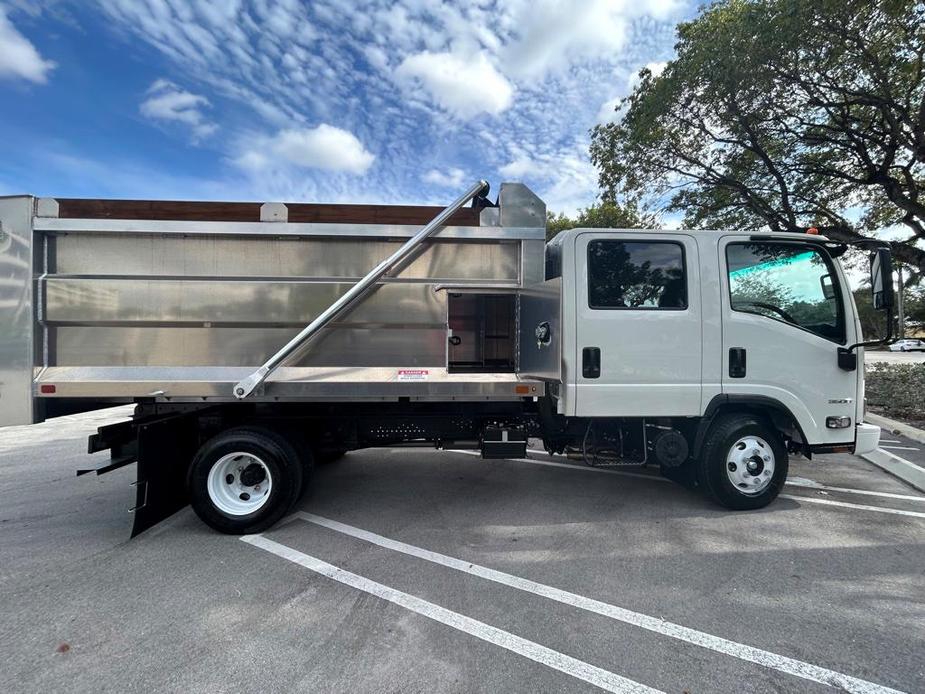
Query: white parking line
[
  {"x": 781, "y": 663},
  {"x": 846, "y": 504},
  {"x": 901, "y": 448},
  {"x": 802, "y": 485},
  {"x": 578, "y": 669},
  {"x": 848, "y": 490}
]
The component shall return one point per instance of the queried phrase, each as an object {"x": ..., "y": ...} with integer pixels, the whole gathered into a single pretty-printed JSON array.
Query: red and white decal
[{"x": 413, "y": 374}]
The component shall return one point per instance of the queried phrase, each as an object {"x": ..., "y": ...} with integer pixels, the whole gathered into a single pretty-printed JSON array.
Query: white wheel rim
[
  {"x": 750, "y": 465},
  {"x": 239, "y": 484}
]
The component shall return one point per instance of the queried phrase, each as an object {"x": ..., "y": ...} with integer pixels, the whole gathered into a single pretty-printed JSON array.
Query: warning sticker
[{"x": 413, "y": 374}]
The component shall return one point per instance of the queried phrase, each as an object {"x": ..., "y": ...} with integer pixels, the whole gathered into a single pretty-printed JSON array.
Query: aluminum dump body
[{"x": 110, "y": 301}]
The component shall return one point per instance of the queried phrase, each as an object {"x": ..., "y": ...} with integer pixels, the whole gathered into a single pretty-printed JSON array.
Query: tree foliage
[
  {"x": 896, "y": 390},
  {"x": 606, "y": 215},
  {"x": 783, "y": 114}
]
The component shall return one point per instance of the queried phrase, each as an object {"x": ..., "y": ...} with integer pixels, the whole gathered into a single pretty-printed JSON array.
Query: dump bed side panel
[
  {"x": 173, "y": 300},
  {"x": 16, "y": 316},
  {"x": 146, "y": 300}
]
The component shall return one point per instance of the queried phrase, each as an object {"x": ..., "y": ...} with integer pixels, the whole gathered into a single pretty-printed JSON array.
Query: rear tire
[
  {"x": 244, "y": 480},
  {"x": 744, "y": 463}
]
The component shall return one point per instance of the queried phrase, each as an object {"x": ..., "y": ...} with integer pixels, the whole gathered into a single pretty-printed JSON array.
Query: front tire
[
  {"x": 244, "y": 480},
  {"x": 744, "y": 463}
]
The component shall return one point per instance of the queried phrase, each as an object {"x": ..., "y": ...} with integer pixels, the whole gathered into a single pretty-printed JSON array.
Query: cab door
[
  {"x": 784, "y": 317},
  {"x": 638, "y": 325}
]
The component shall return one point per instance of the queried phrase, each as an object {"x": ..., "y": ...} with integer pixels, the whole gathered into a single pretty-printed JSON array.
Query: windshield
[{"x": 786, "y": 282}]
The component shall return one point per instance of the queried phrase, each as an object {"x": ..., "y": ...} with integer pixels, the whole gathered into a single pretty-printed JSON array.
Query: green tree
[
  {"x": 915, "y": 310},
  {"x": 783, "y": 114},
  {"x": 605, "y": 215},
  {"x": 873, "y": 324}
]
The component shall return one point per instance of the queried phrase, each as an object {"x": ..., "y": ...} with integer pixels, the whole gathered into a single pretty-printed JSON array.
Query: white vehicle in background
[{"x": 908, "y": 346}]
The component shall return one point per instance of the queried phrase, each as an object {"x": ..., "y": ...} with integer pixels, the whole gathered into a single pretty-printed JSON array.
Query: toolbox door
[{"x": 540, "y": 331}]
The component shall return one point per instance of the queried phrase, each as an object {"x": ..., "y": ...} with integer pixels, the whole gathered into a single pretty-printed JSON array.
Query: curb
[
  {"x": 901, "y": 468},
  {"x": 909, "y": 432}
]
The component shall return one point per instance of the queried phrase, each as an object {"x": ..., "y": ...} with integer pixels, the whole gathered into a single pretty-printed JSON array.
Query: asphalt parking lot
[{"x": 413, "y": 570}]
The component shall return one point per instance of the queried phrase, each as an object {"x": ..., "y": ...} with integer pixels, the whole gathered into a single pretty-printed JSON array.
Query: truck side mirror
[
  {"x": 881, "y": 279},
  {"x": 828, "y": 289}
]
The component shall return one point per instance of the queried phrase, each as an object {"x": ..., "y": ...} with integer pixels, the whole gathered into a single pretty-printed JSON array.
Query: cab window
[
  {"x": 636, "y": 275},
  {"x": 791, "y": 283}
]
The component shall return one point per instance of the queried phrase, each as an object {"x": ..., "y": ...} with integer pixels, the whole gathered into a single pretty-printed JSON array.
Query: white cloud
[
  {"x": 323, "y": 147},
  {"x": 551, "y": 34},
  {"x": 672, "y": 221},
  {"x": 168, "y": 102},
  {"x": 565, "y": 179},
  {"x": 464, "y": 86},
  {"x": 655, "y": 68},
  {"x": 18, "y": 57},
  {"x": 519, "y": 167},
  {"x": 661, "y": 9},
  {"x": 451, "y": 178},
  {"x": 414, "y": 81},
  {"x": 608, "y": 112}
]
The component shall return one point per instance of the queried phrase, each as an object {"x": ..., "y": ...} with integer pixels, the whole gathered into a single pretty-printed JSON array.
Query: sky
[{"x": 403, "y": 101}]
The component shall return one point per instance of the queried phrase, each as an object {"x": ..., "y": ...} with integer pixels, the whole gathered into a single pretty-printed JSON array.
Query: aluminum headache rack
[{"x": 108, "y": 301}]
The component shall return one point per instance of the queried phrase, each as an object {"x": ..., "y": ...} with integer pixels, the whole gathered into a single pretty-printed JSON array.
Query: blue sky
[{"x": 401, "y": 102}]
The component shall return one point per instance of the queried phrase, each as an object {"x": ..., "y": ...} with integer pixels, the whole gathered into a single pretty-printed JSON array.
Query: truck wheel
[
  {"x": 743, "y": 464},
  {"x": 244, "y": 480}
]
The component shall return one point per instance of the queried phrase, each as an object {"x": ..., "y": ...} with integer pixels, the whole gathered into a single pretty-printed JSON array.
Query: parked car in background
[{"x": 908, "y": 346}]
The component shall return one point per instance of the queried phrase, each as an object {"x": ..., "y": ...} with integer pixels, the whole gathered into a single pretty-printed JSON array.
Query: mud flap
[{"x": 165, "y": 449}]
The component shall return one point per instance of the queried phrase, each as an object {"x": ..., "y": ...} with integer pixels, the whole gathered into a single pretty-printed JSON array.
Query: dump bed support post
[{"x": 247, "y": 386}]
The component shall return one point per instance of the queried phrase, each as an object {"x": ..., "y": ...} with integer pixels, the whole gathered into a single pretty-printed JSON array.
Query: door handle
[
  {"x": 591, "y": 362},
  {"x": 736, "y": 362}
]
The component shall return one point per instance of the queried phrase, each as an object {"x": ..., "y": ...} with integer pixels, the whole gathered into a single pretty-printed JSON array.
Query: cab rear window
[{"x": 636, "y": 275}]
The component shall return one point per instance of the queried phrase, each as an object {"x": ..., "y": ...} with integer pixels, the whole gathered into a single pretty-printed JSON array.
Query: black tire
[
  {"x": 281, "y": 462},
  {"x": 712, "y": 475}
]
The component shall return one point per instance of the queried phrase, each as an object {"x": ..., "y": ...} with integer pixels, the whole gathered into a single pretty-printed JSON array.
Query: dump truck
[{"x": 259, "y": 339}]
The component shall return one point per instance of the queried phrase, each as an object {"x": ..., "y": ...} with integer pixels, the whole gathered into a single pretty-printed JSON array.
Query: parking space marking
[
  {"x": 848, "y": 490},
  {"x": 848, "y": 504},
  {"x": 781, "y": 663},
  {"x": 573, "y": 667},
  {"x": 654, "y": 478},
  {"x": 902, "y": 448}
]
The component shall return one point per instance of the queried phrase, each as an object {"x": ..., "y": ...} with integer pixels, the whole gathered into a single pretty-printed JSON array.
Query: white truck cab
[{"x": 681, "y": 323}]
